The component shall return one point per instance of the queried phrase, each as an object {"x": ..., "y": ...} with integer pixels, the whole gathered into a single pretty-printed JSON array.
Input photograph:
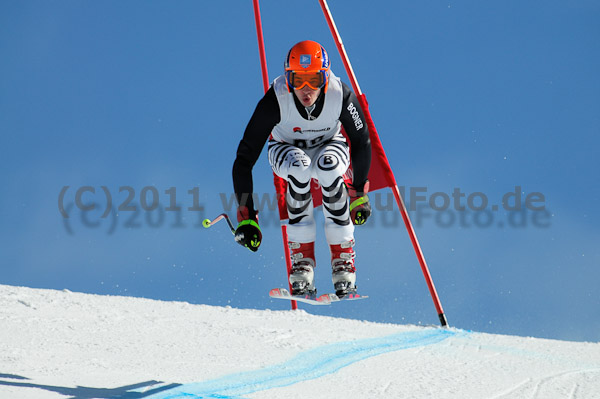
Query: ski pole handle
[{"x": 207, "y": 222}]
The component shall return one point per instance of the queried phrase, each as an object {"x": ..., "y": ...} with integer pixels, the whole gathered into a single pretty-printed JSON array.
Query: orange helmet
[{"x": 307, "y": 63}]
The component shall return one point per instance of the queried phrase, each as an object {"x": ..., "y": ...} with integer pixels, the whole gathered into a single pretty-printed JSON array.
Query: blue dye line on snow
[{"x": 305, "y": 366}]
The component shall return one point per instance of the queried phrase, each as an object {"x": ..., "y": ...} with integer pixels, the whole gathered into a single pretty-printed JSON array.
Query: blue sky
[{"x": 479, "y": 96}]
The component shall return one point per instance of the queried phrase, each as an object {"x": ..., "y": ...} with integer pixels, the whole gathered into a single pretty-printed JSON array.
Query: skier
[{"x": 303, "y": 111}]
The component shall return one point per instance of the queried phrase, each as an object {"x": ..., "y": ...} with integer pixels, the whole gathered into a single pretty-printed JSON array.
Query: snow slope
[{"x": 60, "y": 344}]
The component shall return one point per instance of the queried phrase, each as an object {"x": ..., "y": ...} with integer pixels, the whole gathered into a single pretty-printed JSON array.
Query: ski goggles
[{"x": 314, "y": 80}]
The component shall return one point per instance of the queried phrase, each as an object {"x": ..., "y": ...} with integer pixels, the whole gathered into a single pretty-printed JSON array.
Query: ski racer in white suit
[{"x": 303, "y": 112}]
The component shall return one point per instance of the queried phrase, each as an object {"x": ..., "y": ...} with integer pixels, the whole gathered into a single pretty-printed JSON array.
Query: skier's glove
[
  {"x": 248, "y": 232},
  {"x": 360, "y": 207}
]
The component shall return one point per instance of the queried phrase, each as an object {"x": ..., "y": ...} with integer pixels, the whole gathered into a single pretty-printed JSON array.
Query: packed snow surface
[{"x": 60, "y": 344}]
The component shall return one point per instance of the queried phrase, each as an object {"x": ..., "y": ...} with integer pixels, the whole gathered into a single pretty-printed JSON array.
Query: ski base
[{"x": 325, "y": 299}]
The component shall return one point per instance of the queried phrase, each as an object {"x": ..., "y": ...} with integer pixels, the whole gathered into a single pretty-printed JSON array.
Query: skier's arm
[
  {"x": 353, "y": 120},
  {"x": 265, "y": 117}
]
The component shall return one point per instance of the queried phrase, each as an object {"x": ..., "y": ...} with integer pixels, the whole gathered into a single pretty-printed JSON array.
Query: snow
[{"x": 61, "y": 344}]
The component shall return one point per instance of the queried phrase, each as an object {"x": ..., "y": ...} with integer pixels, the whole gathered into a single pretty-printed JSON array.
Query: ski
[
  {"x": 334, "y": 298},
  {"x": 282, "y": 293},
  {"x": 325, "y": 299}
]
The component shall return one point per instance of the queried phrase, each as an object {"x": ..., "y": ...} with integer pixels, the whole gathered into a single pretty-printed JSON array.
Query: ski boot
[
  {"x": 302, "y": 273},
  {"x": 343, "y": 270}
]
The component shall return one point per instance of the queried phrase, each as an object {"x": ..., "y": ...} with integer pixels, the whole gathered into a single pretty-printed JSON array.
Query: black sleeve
[
  {"x": 265, "y": 117},
  {"x": 353, "y": 120}
]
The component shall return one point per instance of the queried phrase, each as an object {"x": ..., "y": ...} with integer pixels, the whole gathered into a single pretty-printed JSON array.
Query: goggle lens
[{"x": 315, "y": 80}]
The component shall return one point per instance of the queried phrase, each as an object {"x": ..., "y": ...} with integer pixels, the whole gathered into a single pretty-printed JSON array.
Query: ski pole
[{"x": 207, "y": 222}]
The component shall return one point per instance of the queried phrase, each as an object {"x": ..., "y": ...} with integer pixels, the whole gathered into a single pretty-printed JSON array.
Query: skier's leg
[
  {"x": 332, "y": 162},
  {"x": 294, "y": 165}
]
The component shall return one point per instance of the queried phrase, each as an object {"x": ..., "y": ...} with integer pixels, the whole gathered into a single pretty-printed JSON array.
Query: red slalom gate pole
[
  {"x": 261, "y": 46},
  {"x": 379, "y": 153},
  {"x": 278, "y": 185}
]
